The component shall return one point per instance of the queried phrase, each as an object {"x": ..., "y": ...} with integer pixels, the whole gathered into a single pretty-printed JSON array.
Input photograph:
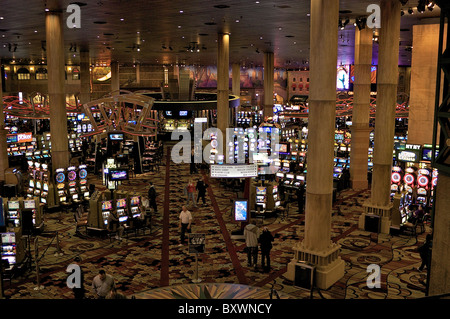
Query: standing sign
[
  {"x": 234, "y": 171},
  {"x": 197, "y": 243}
]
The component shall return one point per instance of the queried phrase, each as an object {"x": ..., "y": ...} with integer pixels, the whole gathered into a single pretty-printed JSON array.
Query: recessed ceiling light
[
  {"x": 35, "y": 31},
  {"x": 1, "y": 18},
  {"x": 181, "y": 11},
  {"x": 122, "y": 19}
]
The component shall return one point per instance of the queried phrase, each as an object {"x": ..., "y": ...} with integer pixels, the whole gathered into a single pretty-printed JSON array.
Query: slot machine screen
[
  {"x": 123, "y": 219},
  {"x": 29, "y": 204},
  {"x": 45, "y": 187},
  {"x": 275, "y": 189},
  {"x": 13, "y": 205},
  {"x": 277, "y": 203},
  {"x": 261, "y": 190},
  {"x": 279, "y": 175},
  {"x": 31, "y": 183},
  {"x": 121, "y": 203},
  {"x": 107, "y": 205},
  {"x": 86, "y": 194},
  {"x": 75, "y": 196},
  {"x": 422, "y": 191},
  {"x": 63, "y": 199},
  {"x": 8, "y": 238},
  {"x": 135, "y": 200},
  {"x": 290, "y": 176},
  {"x": 118, "y": 174}
]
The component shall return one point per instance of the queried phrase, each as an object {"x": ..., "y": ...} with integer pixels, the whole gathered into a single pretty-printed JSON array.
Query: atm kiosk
[
  {"x": 82, "y": 182},
  {"x": 423, "y": 186},
  {"x": 13, "y": 213}
]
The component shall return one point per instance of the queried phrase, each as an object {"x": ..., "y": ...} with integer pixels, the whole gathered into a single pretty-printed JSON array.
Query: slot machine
[
  {"x": 45, "y": 188},
  {"x": 286, "y": 164},
  {"x": 37, "y": 191},
  {"x": 396, "y": 179},
  {"x": 261, "y": 193},
  {"x": 60, "y": 178},
  {"x": 72, "y": 183},
  {"x": 122, "y": 210},
  {"x": 410, "y": 179},
  {"x": 423, "y": 186},
  {"x": 31, "y": 211},
  {"x": 337, "y": 172},
  {"x": 289, "y": 180},
  {"x": 82, "y": 181},
  {"x": 135, "y": 202},
  {"x": 13, "y": 213},
  {"x": 107, "y": 207},
  {"x": 275, "y": 194},
  {"x": 9, "y": 249},
  {"x": 434, "y": 179},
  {"x": 298, "y": 180}
]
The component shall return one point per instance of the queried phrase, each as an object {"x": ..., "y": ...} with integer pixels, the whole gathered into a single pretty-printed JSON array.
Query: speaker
[
  {"x": 372, "y": 223},
  {"x": 304, "y": 275},
  {"x": 27, "y": 222}
]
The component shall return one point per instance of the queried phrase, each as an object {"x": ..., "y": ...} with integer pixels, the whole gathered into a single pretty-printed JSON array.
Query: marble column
[
  {"x": 56, "y": 80},
  {"x": 223, "y": 84},
  {"x": 360, "y": 129},
  {"x": 236, "y": 79},
  {"x": 268, "y": 84},
  {"x": 115, "y": 83},
  {"x": 85, "y": 78},
  {"x": 317, "y": 247},
  {"x": 423, "y": 83},
  {"x": 385, "y": 108},
  {"x": 4, "y": 165}
]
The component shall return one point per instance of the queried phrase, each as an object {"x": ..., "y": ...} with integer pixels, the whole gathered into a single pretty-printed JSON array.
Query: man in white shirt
[
  {"x": 185, "y": 223},
  {"x": 102, "y": 284}
]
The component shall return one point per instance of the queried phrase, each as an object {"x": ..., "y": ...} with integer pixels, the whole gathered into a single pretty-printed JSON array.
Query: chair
[
  {"x": 410, "y": 229},
  {"x": 80, "y": 221}
]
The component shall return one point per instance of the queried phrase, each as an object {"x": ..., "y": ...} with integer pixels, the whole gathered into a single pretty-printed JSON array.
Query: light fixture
[
  {"x": 361, "y": 23},
  {"x": 421, "y": 6},
  {"x": 410, "y": 10},
  {"x": 430, "y": 6}
]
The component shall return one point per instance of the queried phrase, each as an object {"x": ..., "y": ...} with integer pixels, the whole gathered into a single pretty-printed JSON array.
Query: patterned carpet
[{"x": 152, "y": 264}]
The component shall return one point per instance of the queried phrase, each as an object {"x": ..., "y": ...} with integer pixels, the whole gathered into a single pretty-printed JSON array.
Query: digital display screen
[
  {"x": 135, "y": 201},
  {"x": 183, "y": 113},
  {"x": 29, "y": 204},
  {"x": 118, "y": 175},
  {"x": 8, "y": 238},
  {"x": 261, "y": 190},
  {"x": 240, "y": 210},
  {"x": 13, "y": 205},
  {"x": 281, "y": 148},
  {"x": 107, "y": 205},
  {"x": 121, "y": 203},
  {"x": 116, "y": 136}
]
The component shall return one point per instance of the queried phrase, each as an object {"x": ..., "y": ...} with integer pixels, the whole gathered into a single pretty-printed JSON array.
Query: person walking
[
  {"x": 102, "y": 284},
  {"x": 251, "y": 234},
  {"x": 201, "y": 188},
  {"x": 79, "y": 292},
  {"x": 190, "y": 189},
  {"x": 185, "y": 224},
  {"x": 425, "y": 252},
  {"x": 266, "y": 240},
  {"x": 300, "y": 197},
  {"x": 152, "y": 197}
]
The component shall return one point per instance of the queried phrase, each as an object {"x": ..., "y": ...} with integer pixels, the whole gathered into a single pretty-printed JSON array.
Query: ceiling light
[
  {"x": 410, "y": 11},
  {"x": 181, "y": 11},
  {"x": 122, "y": 19},
  {"x": 1, "y": 18},
  {"x": 421, "y": 6}
]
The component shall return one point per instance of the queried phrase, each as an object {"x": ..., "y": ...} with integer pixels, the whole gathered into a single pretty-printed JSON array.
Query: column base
[
  {"x": 383, "y": 212},
  {"x": 329, "y": 266}
]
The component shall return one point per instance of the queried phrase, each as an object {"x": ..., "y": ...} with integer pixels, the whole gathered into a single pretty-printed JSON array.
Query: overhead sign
[
  {"x": 19, "y": 138},
  {"x": 234, "y": 171},
  {"x": 197, "y": 243}
]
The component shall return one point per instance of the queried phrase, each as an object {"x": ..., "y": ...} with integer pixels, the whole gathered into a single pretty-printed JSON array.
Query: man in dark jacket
[
  {"x": 265, "y": 240},
  {"x": 152, "y": 197},
  {"x": 201, "y": 188}
]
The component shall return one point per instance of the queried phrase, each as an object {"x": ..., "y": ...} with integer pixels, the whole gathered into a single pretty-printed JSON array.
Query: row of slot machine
[
  {"x": 126, "y": 205},
  {"x": 422, "y": 181},
  {"x": 71, "y": 185},
  {"x": 265, "y": 197},
  {"x": 39, "y": 184},
  {"x": 291, "y": 181},
  {"x": 248, "y": 118},
  {"x": 14, "y": 210},
  {"x": 340, "y": 164}
]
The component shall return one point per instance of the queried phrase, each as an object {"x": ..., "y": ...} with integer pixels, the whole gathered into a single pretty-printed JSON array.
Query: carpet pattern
[{"x": 143, "y": 262}]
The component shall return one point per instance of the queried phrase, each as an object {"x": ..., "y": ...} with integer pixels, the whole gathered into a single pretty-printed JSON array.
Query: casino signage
[
  {"x": 19, "y": 138},
  {"x": 409, "y": 153}
]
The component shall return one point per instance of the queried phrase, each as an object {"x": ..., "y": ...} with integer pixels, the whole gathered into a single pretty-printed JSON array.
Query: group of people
[
  {"x": 103, "y": 285},
  {"x": 254, "y": 239},
  {"x": 190, "y": 189}
]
